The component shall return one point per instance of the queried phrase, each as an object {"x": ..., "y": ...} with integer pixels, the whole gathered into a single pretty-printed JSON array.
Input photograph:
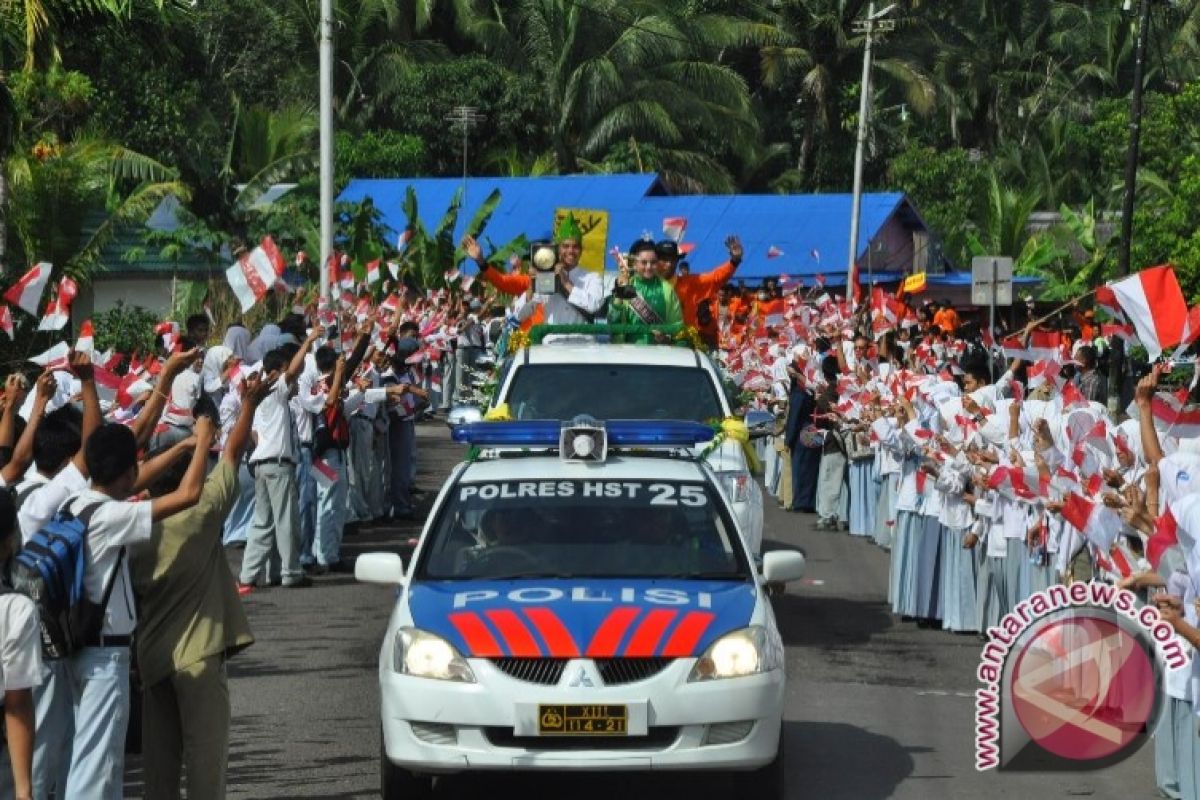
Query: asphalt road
[{"x": 876, "y": 707}]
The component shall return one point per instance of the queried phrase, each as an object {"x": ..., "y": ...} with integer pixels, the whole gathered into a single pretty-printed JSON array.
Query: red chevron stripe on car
[
  {"x": 645, "y": 639},
  {"x": 608, "y": 635},
  {"x": 479, "y": 639},
  {"x": 517, "y": 637},
  {"x": 687, "y": 633},
  {"x": 556, "y": 636}
]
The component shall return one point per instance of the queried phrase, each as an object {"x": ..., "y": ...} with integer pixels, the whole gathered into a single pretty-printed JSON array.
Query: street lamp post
[
  {"x": 465, "y": 117},
  {"x": 1117, "y": 351},
  {"x": 869, "y": 26},
  {"x": 326, "y": 143}
]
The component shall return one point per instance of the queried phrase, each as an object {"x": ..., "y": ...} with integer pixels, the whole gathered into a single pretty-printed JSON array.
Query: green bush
[{"x": 125, "y": 329}]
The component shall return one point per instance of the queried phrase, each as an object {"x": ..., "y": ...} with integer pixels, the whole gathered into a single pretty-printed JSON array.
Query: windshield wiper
[{"x": 516, "y": 576}]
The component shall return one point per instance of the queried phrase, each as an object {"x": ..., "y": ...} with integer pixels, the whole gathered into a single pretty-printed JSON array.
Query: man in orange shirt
[
  {"x": 946, "y": 319},
  {"x": 697, "y": 293}
]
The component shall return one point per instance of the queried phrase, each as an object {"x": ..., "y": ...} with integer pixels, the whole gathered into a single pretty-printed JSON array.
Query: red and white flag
[
  {"x": 673, "y": 227},
  {"x": 6, "y": 321},
  {"x": 1020, "y": 483},
  {"x": 58, "y": 310},
  {"x": 1096, "y": 521},
  {"x": 255, "y": 273},
  {"x": 57, "y": 357},
  {"x": 686, "y": 248},
  {"x": 1072, "y": 397},
  {"x": 394, "y": 269},
  {"x": 26, "y": 293},
  {"x": 345, "y": 273},
  {"x": 1118, "y": 330},
  {"x": 325, "y": 475},
  {"x": 1174, "y": 416},
  {"x": 774, "y": 252},
  {"x": 1165, "y": 536},
  {"x": 373, "y": 273},
  {"x": 1154, "y": 304},
  {"x": 451, "y": 275},
  {"x": 1107, "y": 300},
  {"x": 1041, "y": 346},
  {"x": 87, "y": 338}
]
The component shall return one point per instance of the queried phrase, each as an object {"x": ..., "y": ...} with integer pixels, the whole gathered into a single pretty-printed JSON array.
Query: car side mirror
[
  {"x": 760, "y": 423},
  {"x": 385, "y": 569},
  {"x": 464, "y": 415},
  {"x": 783, "y": 566}
]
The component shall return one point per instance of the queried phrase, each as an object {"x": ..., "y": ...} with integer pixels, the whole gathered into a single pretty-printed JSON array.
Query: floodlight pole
[
  {"x": 867, "y": 26},
  {"x": 326, "y": 143},
  {"x": 465, "y": 117},
  {"x": 1117, "y": 350}
]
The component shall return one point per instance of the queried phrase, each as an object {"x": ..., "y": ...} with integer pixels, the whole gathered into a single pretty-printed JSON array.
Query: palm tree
[
  {"x": 615, "y": 71},
  {"x": 817, "y": 55}
]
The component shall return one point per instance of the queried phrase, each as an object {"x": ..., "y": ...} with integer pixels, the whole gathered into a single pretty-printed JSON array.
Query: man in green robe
[{"x": 644, "y": 298}]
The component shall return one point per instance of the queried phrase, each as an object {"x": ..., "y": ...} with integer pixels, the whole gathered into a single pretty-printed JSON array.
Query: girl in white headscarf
[
  {"x": 237, "y": 339},
  {"x": 266, "y": 341},
  {"x": 214, "y": 374}
]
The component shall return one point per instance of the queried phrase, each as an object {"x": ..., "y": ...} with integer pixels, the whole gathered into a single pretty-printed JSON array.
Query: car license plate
[{"x": 581, "y": 720}]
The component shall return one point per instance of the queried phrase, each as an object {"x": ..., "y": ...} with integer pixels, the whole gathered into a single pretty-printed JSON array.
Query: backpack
[
  {"x": 50, "y": 570},
  {"x": 332, "y": 430}
]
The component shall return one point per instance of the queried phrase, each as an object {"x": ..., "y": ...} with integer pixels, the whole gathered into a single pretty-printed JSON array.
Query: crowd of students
[{"x": 987, "y": 471}]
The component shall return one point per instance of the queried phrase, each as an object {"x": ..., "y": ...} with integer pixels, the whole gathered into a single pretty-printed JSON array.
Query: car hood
[{"x": 566, "y": 618}]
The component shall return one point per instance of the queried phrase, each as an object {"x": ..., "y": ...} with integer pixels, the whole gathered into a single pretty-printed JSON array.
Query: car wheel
[
  {"x": 397, "y": 783},
  {"x": 769, "y": 782}
]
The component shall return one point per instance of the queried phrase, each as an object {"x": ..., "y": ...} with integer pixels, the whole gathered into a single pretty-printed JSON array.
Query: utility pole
[
  {"x": 326, "y": 145},
  {"x": 465, "y": 117},
  {"x": 869, "y": 26},
  {"x": 1117, "y": 352}
]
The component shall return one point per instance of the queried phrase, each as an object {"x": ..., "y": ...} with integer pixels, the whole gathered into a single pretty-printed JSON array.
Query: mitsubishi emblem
[{"x": 582, "y": 679}]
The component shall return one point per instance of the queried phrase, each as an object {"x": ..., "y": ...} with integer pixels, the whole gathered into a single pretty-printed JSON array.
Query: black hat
[
  {"x": 641, "y": 246},
  {"x": 667, "y": 248}
]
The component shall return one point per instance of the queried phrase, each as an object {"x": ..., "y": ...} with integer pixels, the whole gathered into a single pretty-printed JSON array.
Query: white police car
[{"x": 592, "y": 612}]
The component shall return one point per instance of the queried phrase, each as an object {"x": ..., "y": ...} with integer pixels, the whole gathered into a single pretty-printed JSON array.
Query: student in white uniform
[
  {"x": 100, "y": 671},
  {"x": 20, "y": 666}
]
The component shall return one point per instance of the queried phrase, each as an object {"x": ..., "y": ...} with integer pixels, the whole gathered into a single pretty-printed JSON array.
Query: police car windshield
[
  {"x": 613, "y": 391},
  {"x": 593, "y": 528}
]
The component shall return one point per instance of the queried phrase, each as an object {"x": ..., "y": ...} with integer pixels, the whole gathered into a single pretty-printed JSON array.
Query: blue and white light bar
[{"x": 620, "y": 432}]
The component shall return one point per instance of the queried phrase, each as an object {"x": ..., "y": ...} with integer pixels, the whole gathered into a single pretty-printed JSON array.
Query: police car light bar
[{"x": 546, "y": 433}]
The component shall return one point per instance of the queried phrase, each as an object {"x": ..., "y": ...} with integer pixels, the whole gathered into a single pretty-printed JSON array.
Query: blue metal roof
[{"x": 810, "y": 230}]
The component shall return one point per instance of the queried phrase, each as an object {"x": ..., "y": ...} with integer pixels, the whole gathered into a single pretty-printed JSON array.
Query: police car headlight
[
  {"x": 749, "y": 651},
  {"x": 425, "y": 655}
]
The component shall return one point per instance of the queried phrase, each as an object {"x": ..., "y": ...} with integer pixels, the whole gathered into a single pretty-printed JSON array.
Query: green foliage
[
  {"x": 378, "y": 154},
  {"x": 125, "y": 329},
  {"x": 946, "y": 187}
]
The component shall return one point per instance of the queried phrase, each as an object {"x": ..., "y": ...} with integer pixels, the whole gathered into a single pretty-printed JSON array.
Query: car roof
[
  {"x": 596, "y": 353},
  {"x": 617, "y": 467}
]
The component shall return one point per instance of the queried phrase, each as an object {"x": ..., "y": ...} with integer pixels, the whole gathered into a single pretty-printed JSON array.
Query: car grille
[
  {"x": 546, "y": 671},
  {"x": 616, "y": 671},
  {"x": 613, "y": 671},
  {"x": 657, "y": 738}
]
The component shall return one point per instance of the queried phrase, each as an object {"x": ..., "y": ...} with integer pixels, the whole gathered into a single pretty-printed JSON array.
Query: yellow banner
[
  {"x": 594, "y": 224},
  {"x": 913, "y": 284}
]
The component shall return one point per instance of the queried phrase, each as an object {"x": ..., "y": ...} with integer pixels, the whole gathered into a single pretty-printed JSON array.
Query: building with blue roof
[{"x": 810, "y": 232}]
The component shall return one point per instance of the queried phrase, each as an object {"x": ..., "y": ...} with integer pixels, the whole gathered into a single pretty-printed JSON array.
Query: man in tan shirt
[{"x": 191, "y": 621}]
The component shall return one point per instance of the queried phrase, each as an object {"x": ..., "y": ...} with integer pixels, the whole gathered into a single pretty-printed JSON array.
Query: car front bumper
[{"x": 439, "y": 726}]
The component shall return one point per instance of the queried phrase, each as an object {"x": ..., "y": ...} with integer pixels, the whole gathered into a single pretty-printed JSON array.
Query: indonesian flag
[
  {"x": 1117, "y": 330},
  {"x": 87, "y": 338},
  {"x": 394, "y": 269},
  {"x": 1107, "y": 300},
  {"x": 255, "y": 273},
  {"x": 686, "y": 248},
  {"x": 6, "y": 321},
  {"x": 58, "y": 310},
  {"x": 1165, "y": 536},
  {"x": 108, "y": 384},
  {"x": 1041, "y": 346},
  {"x": 325, "y": 475},
  {"x": 57, "y": 357},
  {"x": 1019, "y": 483},
  {"x": 373, "y": 275},
  {"x": 1043, "y": 372},
  {"x": 1172, "y": 414},
  {"x": 1072, "y": 397},
  {"x": 451, "y": 275},
  {"x": 131, "y": 387},
  {"x": 1191, "y": 330},
  {"x": 1154, "y": 303},
  {"x": 405, "y": 237},
  {"x": 774, "y": 252},
  {"x": 673, "y": 227},
  {"x": 390, "y": 304},
  {"x": 26, "y": 293},
  {"x": 1096, "y": 521},
  {"x": 772, "y": 311}
]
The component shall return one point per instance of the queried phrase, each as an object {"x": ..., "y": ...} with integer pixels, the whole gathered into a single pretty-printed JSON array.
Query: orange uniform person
[
  {"x": 946, "y": 319},
  {"x": 697, "y": 293}
]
